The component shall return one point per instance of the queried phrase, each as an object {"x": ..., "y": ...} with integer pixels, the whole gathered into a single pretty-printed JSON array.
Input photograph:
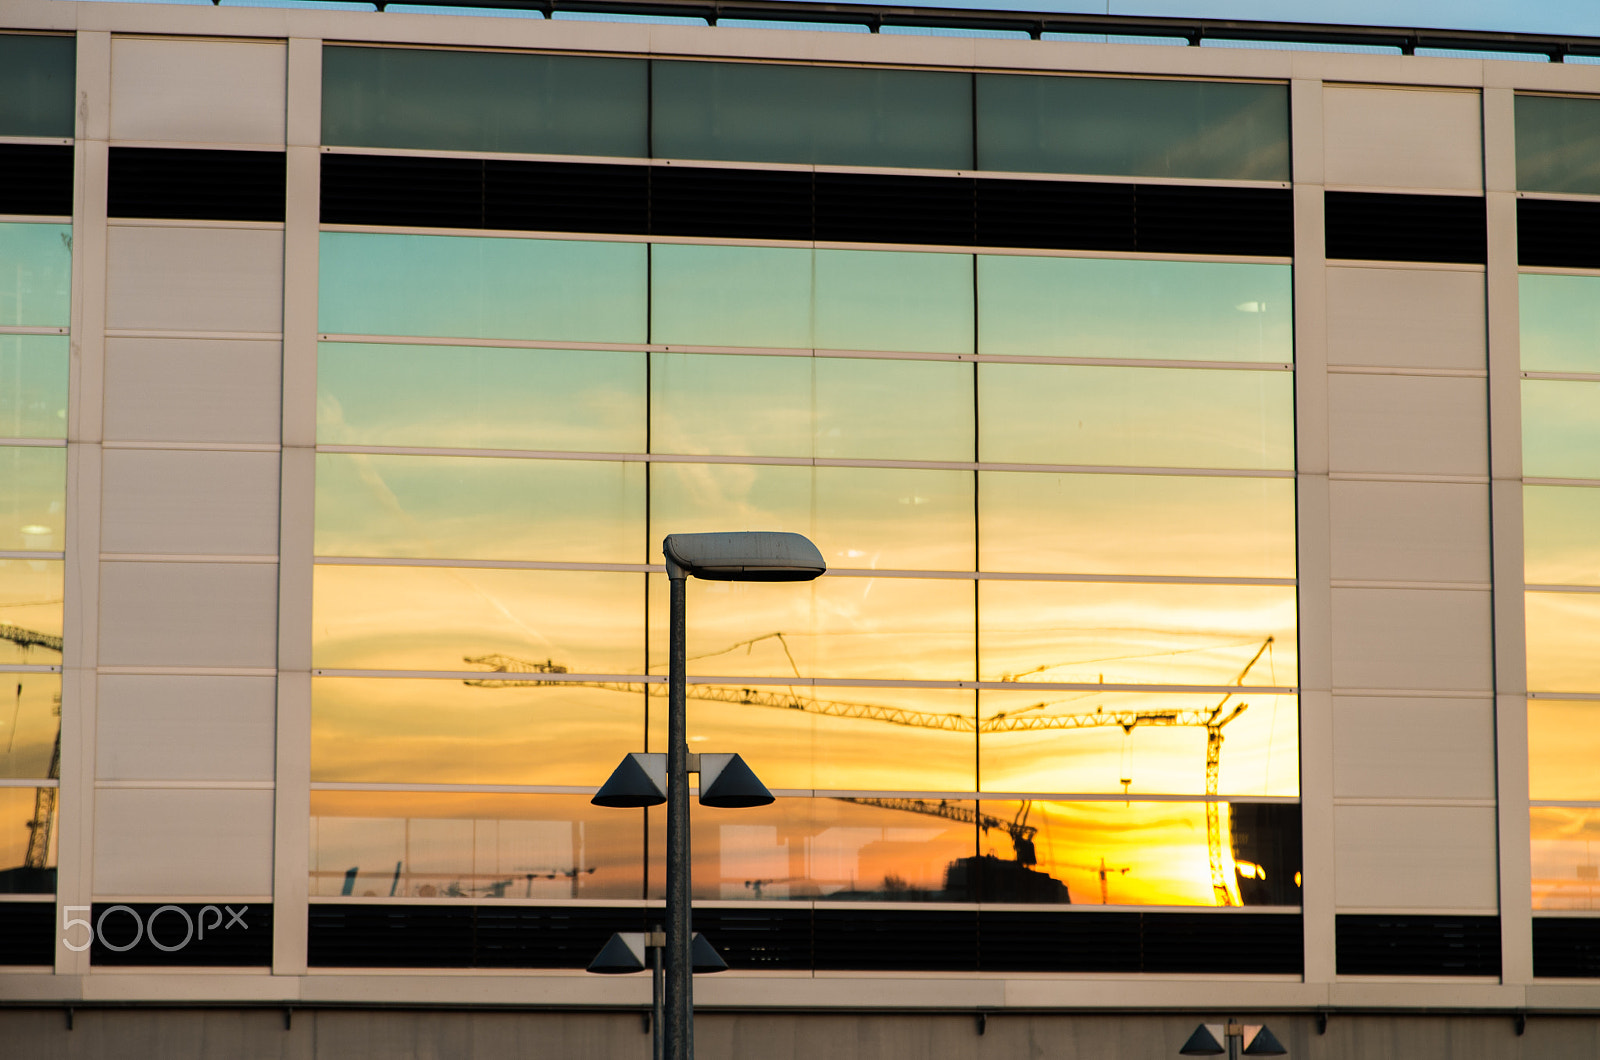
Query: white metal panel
[
  {"x": 192, "y": 390},
  {"x": 1410, "y": 531},
  {"x": 1422, "y": 857},
  {"x": 197, "y": 91},
  {"x": 160, "y": 727},
  {"x": 1392, "y": 747},
  {"x": 189, "y": 502},
  {"x": 1403, "y": 138},
  {"x": 194, "y": 279},
  {"x": 188, "y": 614},
  {"x": 1414, "y": 425},
  {"x": 1405, "y": 318},
  {"x": 182, "y": 841},
  {"x": 1421, "y": 639}
]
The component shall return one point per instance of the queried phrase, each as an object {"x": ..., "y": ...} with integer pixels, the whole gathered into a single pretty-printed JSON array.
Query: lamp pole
[{"x": 679, "y": 1009}]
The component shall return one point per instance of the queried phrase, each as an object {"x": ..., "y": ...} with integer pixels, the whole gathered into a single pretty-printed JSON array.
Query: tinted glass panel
[
  {"x": 33, "y": 386},
  {"x": 861, "y": 518},
  {"x": 34, "y": 726},
  {"x": 1566, "y": 874},
  {"x": 1560, "y": 431},
  {"x": 433, "y": 618},
  {"x": 1136, "y": 524},
  {"x": 581, "y": 511},
  {"x": 1135, "y": 417},
  {"x": 1563, "y": 747},
  {"x": 483, "y": 101},
  {"x": 812, "y": 114},
  {"x": 1560, "y": 323},
  {"x": 35, "y": 275},
  {"x": 894, "y": 410},
  {"x": 30, "y": 600},
  {"x": 1560, "y": 544},
  {"x": 407, "y": 844},
  {"x": 1563, "y": 629},
  {"x": 482, "y": 287},
  {"x": 473, "y": 397},
  {"x": 730, "y": 296},
  {"x": 1558, "y": 144},
  {"x": 36, "y": 85},
  {"x": 18, "y": 808},
  {"x": 884, "y": 300},
  {"x": 33, "y": 498},
  {"x": 1060, "y": 742},
  {"x": 1135, "y": 127},
  {"x": 1089, "y": 633},
  {"x": 1156, "y": 310},
  {"x": 452, "y": 732}
]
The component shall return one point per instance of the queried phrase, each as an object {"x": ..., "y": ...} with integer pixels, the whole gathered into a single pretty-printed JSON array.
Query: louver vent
[
  {"x": 28, "y": 933},
  {"x": 1417, "y": 945},
  {"x": 1566, "y": 947},
  {"x": 196, "y": 185},
  {"x": 1558, "y": 233},
  {"x": 36, "y": 179},
  {"x": 1383, "y": 227}
]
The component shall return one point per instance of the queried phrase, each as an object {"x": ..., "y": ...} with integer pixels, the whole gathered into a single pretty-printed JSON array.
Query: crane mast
[{"x": 44, "y": 799}]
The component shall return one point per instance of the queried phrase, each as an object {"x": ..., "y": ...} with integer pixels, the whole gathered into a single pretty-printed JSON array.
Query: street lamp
[
  {"x": 626, "y": 952},
  {"x": 1257, "y": 1041},
  {"x": 651, "y": 779}
]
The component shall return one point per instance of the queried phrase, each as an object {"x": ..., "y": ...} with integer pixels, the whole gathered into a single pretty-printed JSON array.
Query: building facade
[{"x": 1204, "y": 443}]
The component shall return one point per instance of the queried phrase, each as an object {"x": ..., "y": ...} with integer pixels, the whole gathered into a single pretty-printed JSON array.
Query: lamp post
[
  {"x": 650, "y": 779},
  {"x": 1256, "y": 1040}
]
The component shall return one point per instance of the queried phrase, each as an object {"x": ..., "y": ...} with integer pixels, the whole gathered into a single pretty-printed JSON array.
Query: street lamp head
[
  {"x": 703, "y": 957},
  {"x": 640, "y": 780},
  {"x": 725, "y": 781},
  {"x": 623, "y": 953},
  {"x": 1202, "y": 1043},
  {"x": 751, "y": 556},
  {"x": 1265, "y": 1044}
]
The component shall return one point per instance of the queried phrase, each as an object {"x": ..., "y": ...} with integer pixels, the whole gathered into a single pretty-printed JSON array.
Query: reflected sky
[
  {"x": 33, "y": 386},
  {"x": 1136, "y": 524},
  {"x": 584, "y": 511},
  {"x": 1560, "y": 543},
  {"x": 1560, "y": 431},
  {"x": 1563, "y": 747},
  {"x": 1556, "y": 140},
  {"x": 30, "y": 598},
  {"x": 1158, "y": 310},
  {"x": 481, "y": 287},
  {"x": 1563, "y": 629},
  {"x": 475, "y": 397},
  {"x": 1135, "y": 417},
  {"x": 30, "y": 721},
  {"x": 35, "y": 275},
  {"x": 16, "y": 810},
  {"x": 1566, "y": 857},
  {"x": 1560, "y": 321},
  {"x": 32, "y": 498}
]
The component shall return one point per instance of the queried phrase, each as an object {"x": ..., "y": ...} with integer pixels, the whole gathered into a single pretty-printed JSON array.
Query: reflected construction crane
[
  {"x": 1018, "y": 829},
  {"x": 44, "y": 799},
  {"x": 1104, "y": 871},
  {"x": 1219, "y": 839}
]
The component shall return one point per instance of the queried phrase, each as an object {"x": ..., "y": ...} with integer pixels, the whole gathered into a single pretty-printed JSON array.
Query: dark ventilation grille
[
  {"x": 1222, "y": 943},
  {"x": 1058, "y": 942},
  {"x": 858, "y": 208},
  {"x": 192, "y": 934},
  {"x": 1566, "y": 947},
  {"x": 1057, "y": 214},
  {"x": 1417, "y": 945},
  {"x": 485, "y": 936},
  {"x": 1174, "y": 219},
  {"x": 421, "y": 192},
  {"x": 896, "y": 940},
  {"x": 731, "y": 203},
  {"x": 197, "y": 185},
  {"x": 1559, "y": 233},
  {"x": 28, "y": 933},
  {"x": 1198, "y": 943},
  {"x": 761, "y": 938},
  {"x": 36, "y": 179},
  {"x": 566, "y": 197},
  {"x": 1380, "y": 227}
]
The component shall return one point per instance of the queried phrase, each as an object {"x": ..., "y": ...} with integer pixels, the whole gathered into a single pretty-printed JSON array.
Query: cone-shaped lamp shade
[
  {"x": 749, "y": 556},
  {"x": 726, "y": 781},
  {"x": 622, "y": 953},
  {"x": 1202, "y": 1043},
  {"x": 704, "y": 956},
  {"x": 641, "y": 780},
  {"x": 1265, "y": 1044}
]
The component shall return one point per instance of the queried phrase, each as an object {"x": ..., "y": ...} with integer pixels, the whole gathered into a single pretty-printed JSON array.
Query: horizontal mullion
[
  {"x": 1562, "y": 588},
  {"x": 1579, "y": 377},
  {"x": 25, "y": 782},
  {"x": 818, "y": 793}
]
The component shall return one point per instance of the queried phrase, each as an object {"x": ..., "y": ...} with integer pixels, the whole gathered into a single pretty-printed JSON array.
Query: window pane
[
  {"x": 473, "y": 397},
  {"x": 33, "y": 498},
  {"x": 384, "y": 730},
  {"x": 37, "y": 85},
  {"x": 730, "y": 296},
  {"x": 404, "y": 844},
  {"x": 861, "y": 518},
  {"x": 884, "y": 300},
  {"x": 874, "y": 739},
  {"x": 1136, "y": 633},
  {"x": 1560, "y": 431},
  {"x": 1068, "y": 742},
  {"x": 1133, "y": 127},
  {"x": 19, "y": 808},
  {"x": 1560, "y": 544},
  {"x": 33, "y": 386},
  {"x": 1563, "y": 629},
  {"x": 32, "y": 730},
  {"x": 30, "y": 601},
  {"x": 765, "y": 112},
  {"x": 35, "y": 275},
  {"x": 893, "y": 410},
  {"x": 438, "y": 618},
  {"x": 1153, "y": 853},
  {"x": 1560, "y": 323},
  {"x": 1135, "y": 417},
  {"x": 1563, "y": 747},
  {"x": 829, "y": 849},
  {"x": 482, "y": 287},
  {"x": 1153, "y": 310},
  {"x": 1558, "y": 144},
  {"x": 576, "y": 511},
  {"x": 867, "y": 628},
  {"x": 1565, "y": 872},
  {"x": 483, "y": 101},
  {"x": 1136, "y": 524}
]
